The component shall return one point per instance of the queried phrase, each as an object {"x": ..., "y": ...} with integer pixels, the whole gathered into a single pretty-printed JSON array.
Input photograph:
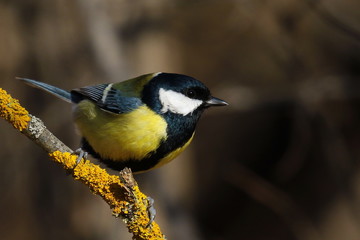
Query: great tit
[{"x": 141, "y": 123}]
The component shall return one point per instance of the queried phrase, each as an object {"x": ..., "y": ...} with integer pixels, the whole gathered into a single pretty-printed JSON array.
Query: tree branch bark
[{"x": 121, "y": 192}]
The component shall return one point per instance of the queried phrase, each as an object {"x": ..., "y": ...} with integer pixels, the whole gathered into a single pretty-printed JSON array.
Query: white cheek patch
[{"x": 177, "y": 102}]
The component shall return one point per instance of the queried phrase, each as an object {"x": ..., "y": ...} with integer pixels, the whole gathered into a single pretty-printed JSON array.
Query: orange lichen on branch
[
  {"x": 96, "y": 178},
  {"x": 13, "y": 112},
  {"x": 120, "y": 192}
]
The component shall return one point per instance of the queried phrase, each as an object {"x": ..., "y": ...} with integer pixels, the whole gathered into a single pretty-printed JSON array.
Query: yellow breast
[
  {"x": 173, "y": 154},
  {"x": 120, "y": 137}
]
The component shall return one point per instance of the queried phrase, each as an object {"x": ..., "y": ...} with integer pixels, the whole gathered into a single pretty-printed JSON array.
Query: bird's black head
[
  {"x": 180, "y": 100},
  {"x": 170, "y": 93}
]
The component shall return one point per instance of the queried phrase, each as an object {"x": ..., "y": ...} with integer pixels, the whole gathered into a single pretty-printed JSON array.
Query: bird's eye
[{"x": 190, "y": 93}]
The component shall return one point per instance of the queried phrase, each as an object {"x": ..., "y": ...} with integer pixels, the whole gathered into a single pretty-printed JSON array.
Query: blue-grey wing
[{"x": 107, "y": 98}]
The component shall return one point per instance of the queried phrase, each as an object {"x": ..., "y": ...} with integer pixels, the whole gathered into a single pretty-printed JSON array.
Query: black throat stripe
[{"x": 179, "y": 131}]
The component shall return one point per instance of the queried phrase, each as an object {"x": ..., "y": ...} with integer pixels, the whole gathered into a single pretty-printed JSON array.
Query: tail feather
[{"x": 58, "y": 92}]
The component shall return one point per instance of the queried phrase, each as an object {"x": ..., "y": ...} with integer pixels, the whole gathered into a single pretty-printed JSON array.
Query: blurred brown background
[{"x": 281, "y": 162}]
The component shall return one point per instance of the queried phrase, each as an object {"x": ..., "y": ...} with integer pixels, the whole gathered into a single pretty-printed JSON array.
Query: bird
[{"x": 141, "y": 123}]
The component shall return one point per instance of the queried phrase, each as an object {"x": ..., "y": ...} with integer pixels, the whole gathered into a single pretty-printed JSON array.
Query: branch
[
  {"x": 334, "y": 21},
  {"x": 120, "y": 192},
  {"x": 273, "y": 198}
]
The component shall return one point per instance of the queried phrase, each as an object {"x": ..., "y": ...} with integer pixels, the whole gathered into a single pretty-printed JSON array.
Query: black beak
[{"x": 213, "y": 101}]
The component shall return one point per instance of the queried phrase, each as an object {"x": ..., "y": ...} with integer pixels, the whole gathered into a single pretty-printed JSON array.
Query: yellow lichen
[
  {"x": 96, "y": 178},
  {"x": 126, "y": 201},
  {"x": 13, "y": 112},
  {"x": 130, "y": 204}
]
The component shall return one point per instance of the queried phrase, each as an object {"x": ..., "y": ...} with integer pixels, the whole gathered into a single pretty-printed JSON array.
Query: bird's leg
[
  {"x": 81, "y": 154},
  {"x": 151, "y": 210}
]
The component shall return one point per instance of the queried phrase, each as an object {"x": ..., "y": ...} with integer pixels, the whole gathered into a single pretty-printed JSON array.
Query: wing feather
[{"x": 107, "y": 98}]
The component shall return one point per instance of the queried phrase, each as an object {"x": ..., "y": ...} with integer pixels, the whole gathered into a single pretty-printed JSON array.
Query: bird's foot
[
  {"x": 151, "y": 210},
  {"x": 81, "y": 154}
]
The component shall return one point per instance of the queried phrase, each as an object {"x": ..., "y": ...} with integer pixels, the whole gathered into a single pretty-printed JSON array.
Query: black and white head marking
[{"x": 177, "y": 103}]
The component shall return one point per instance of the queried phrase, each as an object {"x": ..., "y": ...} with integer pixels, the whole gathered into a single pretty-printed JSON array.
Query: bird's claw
[
  {"x": 81, "y": 154},
  {"x": 151, "y": 210}
]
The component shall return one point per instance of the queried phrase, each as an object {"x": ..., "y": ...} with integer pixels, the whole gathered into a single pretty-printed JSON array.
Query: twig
[
  {"x": 120, "y": 192},
  {"x": 334, "y": 21},
  {"x": 273, "y": 198}
]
